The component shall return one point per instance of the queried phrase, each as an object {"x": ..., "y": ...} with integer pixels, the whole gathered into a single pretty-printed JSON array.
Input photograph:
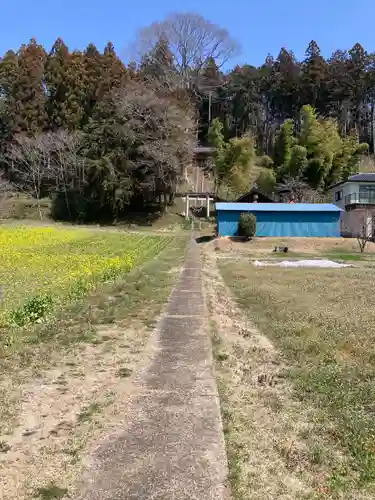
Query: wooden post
[
  {"x": 208, "y": 205},
  {"x": 187, "y": 207}
]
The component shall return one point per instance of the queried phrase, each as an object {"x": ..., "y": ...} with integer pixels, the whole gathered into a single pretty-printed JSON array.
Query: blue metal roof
[{"x": 278, "y": 207}]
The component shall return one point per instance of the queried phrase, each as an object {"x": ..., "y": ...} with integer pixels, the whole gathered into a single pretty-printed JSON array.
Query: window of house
[
  {"x": 367, "y": 192},
  {"x": 338, "y": 195}
]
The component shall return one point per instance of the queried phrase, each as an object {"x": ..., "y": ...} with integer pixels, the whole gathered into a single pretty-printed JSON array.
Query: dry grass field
[
  {"x": 298, "y": 371},
  {"x": 297, "y": 247}
]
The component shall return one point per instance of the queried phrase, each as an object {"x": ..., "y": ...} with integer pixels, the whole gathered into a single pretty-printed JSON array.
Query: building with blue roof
[{"x": 303, "y": 220}]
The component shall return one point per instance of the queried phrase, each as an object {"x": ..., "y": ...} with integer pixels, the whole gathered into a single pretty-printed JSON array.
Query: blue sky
[{"x": 261, "y": 27}]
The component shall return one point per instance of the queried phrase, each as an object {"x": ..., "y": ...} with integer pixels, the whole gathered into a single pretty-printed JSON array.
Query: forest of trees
[{"x": 100, "y": 135}]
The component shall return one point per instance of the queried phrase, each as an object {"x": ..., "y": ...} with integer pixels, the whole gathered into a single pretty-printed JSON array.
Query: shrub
[
  {"x": 247, "y": 225},
  {"x": 32, "y": 311},
  {"x": 265, "y": 162}
]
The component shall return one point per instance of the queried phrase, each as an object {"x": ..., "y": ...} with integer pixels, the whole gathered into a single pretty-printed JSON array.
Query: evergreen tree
[
  {"x": 284, "y": 143},
  {"x": 211, "y": 101},
  {"x": 338, "y": 102},
  {"x": 317, "y": 154},
  {"x": 285, "y": 78},
  {"x": 158, "y": 63},
  {"x": 357, "y": 81},
  {"x": 297, "y": 165},
  {"x": 108, "y": 184},
  {"x": 76, "y": 91},
  {"x": 113, "y": 72},
  {"x": 244, "y": 85},
  {"x": 29, "y": 89},
  {"x": 216, "y": 140},
  {"x": 240, "y": 159},
  {"x": 56, "y": 69},
  {"x": 93, "y": 79},
  {"x": 9, "y": 77},
  {"x": 314, "y": 78},
  {"x": 266, "y": 181},
  {"x": 210, "y": 77},
  {"x": 234, "y": 165}
]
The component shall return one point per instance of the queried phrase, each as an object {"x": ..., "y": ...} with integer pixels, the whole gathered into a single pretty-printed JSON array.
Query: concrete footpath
[{"x": 172, "y": 446}]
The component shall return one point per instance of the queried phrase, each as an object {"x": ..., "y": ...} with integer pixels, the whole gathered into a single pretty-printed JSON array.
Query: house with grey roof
[
  {"x": 356, "y": 195},
  {"x": 358, "y": 191}
]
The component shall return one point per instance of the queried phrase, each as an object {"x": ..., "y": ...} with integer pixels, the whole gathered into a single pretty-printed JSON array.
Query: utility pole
[{"x": 209, "y": 107}]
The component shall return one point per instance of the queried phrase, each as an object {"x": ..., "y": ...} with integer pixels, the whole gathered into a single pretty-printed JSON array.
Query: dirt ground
[
  {"x": 309, "y": 246},
  {"x": 61, "y": 410}
]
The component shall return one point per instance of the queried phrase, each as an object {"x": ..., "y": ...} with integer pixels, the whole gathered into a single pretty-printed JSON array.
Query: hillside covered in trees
[{"x": 100, "y": 135}]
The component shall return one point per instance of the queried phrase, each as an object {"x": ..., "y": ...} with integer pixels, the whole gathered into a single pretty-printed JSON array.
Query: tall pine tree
[
  {"x": 158, "y": 64},
  {"x": 93, "y": 75},
  {"x": 56, "y": 68},
  {"x": 9, "y": 77},
  {"x": 29, "y": 90},
  {"x": 314, "y": 78},
  {"x": 113, "y": 72}
]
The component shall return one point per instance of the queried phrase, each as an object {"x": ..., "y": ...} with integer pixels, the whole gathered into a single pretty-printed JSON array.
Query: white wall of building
[{"x": 346, "y": 189}]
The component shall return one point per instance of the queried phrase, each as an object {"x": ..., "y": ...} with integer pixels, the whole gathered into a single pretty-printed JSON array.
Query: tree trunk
[
  {"x": 39, "y": 208},
  {"x": 372, "y": 145}
]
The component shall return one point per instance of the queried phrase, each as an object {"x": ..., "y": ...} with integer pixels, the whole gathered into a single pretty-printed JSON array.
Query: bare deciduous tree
[
  {"x": 192, "y": 41},
  {"x": 163, "y": 131},
  {"x": 47, "y": 161},
  {"x": 67, "y": 165},
  {"x": 7, "y": 190},
  {"x": 359, "y": 224},
  {"x": 29, "y": 160},
  {"x": 299, "y": 191},
  {"x": 363, "y": 227}
]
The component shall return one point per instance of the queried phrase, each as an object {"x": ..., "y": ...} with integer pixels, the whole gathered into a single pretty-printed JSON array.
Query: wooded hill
[{"x": 100, "y": 136}]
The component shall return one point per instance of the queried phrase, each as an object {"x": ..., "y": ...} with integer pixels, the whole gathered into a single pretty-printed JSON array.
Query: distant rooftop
[
  {"x": 369, "y": 177},
  {"x": 365, "y": 177},
  {"x": 278, "y": 207}
]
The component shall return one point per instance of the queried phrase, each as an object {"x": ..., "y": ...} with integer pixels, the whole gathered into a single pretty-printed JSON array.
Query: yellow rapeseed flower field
[{"x": 60, "y": 265}]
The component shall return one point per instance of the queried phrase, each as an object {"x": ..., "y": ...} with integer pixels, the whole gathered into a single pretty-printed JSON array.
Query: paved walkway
[{"x": 172, "y": 448}]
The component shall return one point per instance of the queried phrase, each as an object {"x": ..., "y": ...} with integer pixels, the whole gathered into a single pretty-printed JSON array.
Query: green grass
[
  {"x": 346, "y": 257},
  {"x": 51, "y": 492},
  {"x": 124, "y": 372},
  {"x": 323, "y": 322},
  {"x": 338, "y": 254},
  {"x": 4, "y": 447},
  {"x": 88, "y": 412}
]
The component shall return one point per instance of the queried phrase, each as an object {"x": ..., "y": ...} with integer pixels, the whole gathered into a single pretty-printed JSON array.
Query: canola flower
[{"x": 64, "y": 264}]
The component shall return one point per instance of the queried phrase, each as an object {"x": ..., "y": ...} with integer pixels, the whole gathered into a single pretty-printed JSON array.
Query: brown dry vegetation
[
  {"x": 321, "y": 324},
  {"x": 262, "y": 423},
  {"x": 60, "y": 394},
  {"x": 261, "y": 247}
]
